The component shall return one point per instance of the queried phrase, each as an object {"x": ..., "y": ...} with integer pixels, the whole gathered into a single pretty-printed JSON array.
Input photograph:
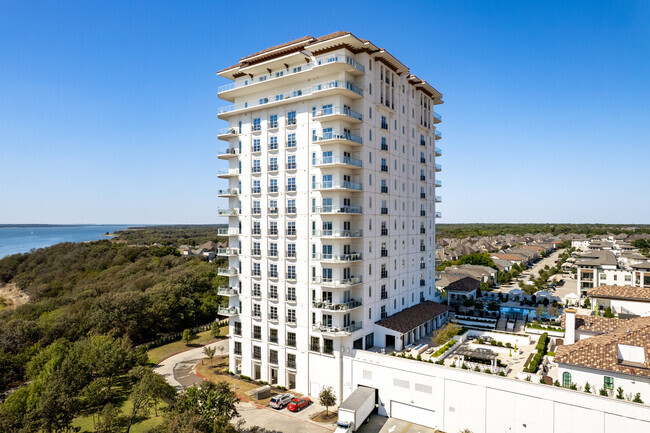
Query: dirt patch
[
  {"x": 325, "y": 417},
  {"x": 11, "y": 296},
  {"x": 216, "y": 372}
]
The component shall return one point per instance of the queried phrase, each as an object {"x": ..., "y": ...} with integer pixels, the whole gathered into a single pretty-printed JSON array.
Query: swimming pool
[{"x": 530, "y": 312}]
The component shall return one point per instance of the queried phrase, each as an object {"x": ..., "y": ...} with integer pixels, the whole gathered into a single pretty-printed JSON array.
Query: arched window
[{"x": 566, "y": 379}]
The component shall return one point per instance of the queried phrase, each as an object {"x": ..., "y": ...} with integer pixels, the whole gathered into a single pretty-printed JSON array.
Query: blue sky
[{"x": 108, "y": 109}]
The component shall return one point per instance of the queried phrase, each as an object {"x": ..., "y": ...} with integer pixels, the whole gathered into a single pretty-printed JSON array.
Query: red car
[{"x": 298, "y": 403}]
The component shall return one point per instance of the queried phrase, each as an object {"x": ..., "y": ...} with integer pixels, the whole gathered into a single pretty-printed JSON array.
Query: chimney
[{"x": 570, "y": 325}]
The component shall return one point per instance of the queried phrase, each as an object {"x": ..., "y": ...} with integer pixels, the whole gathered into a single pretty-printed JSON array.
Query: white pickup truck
[{"x": 356, "y": 409}]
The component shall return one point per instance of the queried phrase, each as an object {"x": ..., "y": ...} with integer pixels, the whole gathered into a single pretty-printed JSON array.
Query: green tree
[
  {"x": 327, "y": 398},
  {"x": 215, "y": 329},
  {"x": 214, "y": 403},
  {"x": 149, "y": 388},
  {"x": 109, "y": 420},
  {"x": 209, "y": 352},
  {"x": 619, "y": 393},
  {"x": 187, "y": 337},
  {"x": 444, "y": 334}
]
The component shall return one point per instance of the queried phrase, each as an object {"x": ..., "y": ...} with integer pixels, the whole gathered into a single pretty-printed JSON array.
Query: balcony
[
  {"x": 338, "y": 61},
  {"x": 384, "y": 189},
  {"x": 384, "y": 252},
  {"x": 331, "y": 282},
  {"x": 228, "y": 231},
  {"x": 337, "y": 185},
  {"x": 334, "y": 331},
  {"x": 423, "y": 178},
  {"x": 228, "y": 212},
  {"x": 336, "y": 258},
  {"x": 384, "y": 231},
  {"x": 230, "y": 152},
  {"x": 384, "y": 125},
  {"x": 291, "y": 210},
  {"x": 438, "y": 214},
  {"x": 438, "y": 135},
  {"x": 438, "y": 151},
  {"x": 437, "y": 118},
  {"x": 327, "y": 88},
  {"x": 228, "y": 291},
  {"x": 384, "y": 211},
  {"x": 225, "y": 174},
  {"x": 423, "y": 195},
  {"x": 438, "y": 167},
  {"x": 384, "y": 168},
  {"x": 334, "y": 234},
  {"x": 438, "y": 199},
  {"x": 273, "y": 167},
  {"x": 338, "y": 113},
  {"x": 423, "y": 160},
  {"x": 438, "y": 183},
  {"x": 227, "y": 272},
  {"x": 343, "y": 210},
  {"x": 329, "y": 306},
  {"x": 228, "y": 252},
  {"x": 227, "y": 133},
  {"x": 230, "y": 192},
  {"x": 337, "y": 161},
  {"x": 384, "y": 147},
  {"x": 228, "y": 311},
  {"x": 338, "y": 137}
]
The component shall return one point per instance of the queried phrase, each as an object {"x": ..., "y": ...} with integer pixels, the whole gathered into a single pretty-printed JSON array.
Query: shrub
[
  {"x": 242, "y": 377},
  {"x": 573, "y": 386},
  {"x": 541, "y": 379},
  {"x": 281, "y": 388},
  {"x": 637, "y": 398},
  {"x": 262, "y": 382},
  {"x": 508, "y": 345},
  {"x": 481, "y": 341},
  {"x": 444, "y": 334},
  {"x": 493, "y": 343},
  {"x": 419, "y": 358},
  {"x": 453, "y": 365},
  {"x": 500, "y": 344},
  {"x": 487, "y": 371},
  {"x": 440, "y": 362},
  {"x": 392, "y": 354},
  {"x": 476, "y": 368},
  {"x": 556, "y": 383},
  {"x": 501, "y": 373},
  {"x": 603, "y": 392},
  {"x": 587, "y": 387},
  {"x": 464, "y": 367},
  {"x": 619, "y": 393},
  {"x": 528, "y": 378}
]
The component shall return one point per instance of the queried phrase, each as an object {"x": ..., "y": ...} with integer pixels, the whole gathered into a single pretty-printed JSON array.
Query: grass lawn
[
  {"x": 202, "y": 338},
  {"x": 123, "y": 401}
]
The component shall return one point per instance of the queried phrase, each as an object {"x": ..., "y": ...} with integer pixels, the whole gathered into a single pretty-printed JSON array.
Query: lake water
[{"x": 24, "y": 238}]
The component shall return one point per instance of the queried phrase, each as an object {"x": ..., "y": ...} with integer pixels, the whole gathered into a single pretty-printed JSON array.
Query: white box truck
[{"x": 356, "y": 409}]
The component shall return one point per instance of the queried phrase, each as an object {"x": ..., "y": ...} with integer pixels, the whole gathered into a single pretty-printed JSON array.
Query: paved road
[{"x": 177, "y": 369}]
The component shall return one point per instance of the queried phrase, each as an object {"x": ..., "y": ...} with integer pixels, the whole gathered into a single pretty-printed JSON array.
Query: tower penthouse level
[{"x": 332, "y": 177}]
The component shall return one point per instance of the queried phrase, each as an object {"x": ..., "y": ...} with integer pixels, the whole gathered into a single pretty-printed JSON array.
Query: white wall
[
  {"x": 630, "y": 384},
  {"x": 485, "y": 403}
]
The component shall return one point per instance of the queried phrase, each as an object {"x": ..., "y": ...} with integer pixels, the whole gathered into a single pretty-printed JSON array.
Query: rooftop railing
[
  {"x": 326, "y": 160},
  {"x": 338, "y": 110}
]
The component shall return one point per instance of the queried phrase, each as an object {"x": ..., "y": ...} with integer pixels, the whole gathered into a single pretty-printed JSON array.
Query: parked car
[
  {"x": 298, "y": 403},
  {"x": 281, "y": 400}
]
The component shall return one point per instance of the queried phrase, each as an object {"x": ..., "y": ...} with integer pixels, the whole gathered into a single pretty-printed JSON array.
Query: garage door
[{"x": 416, "y": 415}]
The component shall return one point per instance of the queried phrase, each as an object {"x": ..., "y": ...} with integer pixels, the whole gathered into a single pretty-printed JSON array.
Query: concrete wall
[
  {"x": 630, "y": 384},
  {"x": 458, "y": 399}
]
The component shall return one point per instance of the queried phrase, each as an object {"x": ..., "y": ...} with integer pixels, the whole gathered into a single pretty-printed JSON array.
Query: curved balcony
[
  {"x": 438, "y": 167},
  {"x": 227, "y": 133},
  {"x": 334, "y": 283},
  {"x": 227, "y": 272},
  {"x": 342, "y": 185},
  {"x": 336, "y": 258},
  {"x": 228, "y": 291},
  {"x": 230, "y": 192},
  {"x": 334, "y": 210},
  {"x": 228, "y": 231},
  {"x": 229, "y": 212},
  {"x": 329, "y": 306},
  {"x": 335, "y": 331},
  {"x": 438, "y": 135},
  {"x": 438, "y": 183},
  {"x": 438, "y": 214},
  {"x": 228, "y": 311},
  {"x": 313, "y": 68},
  {"x": 337, "y": 161},
  {"x": 437, "y": 118},
  {"x": 438, "y": 151},
  {"x": 228, "y": 252},
  {"x": 345, "y": 114},
  {"x": 338, "y": 137},
  {"x": 225, "y": 174},
  {"x": 323, "y": 89},
  {"x": 337, "y": 234},
  {"x": 230, "y": 152},
  {"x": 438, "y": 199}
]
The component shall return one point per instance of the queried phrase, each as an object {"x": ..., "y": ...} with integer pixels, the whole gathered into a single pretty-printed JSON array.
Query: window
[
  {"x": 291, "y": 118},
  {"x": 273, "y": 356},
  {"x": 291, "y": 315},
  {"x": 314, "y": 345},
  {"x": 273, "y": 121},
  {"x": 291, "y": 272},
  {"x": 328, "y": 346},
  {"x": 237, "y": 348},
  {"x": 291, "y": 250},
  {"x": 273, "y": 164},
  {"x": 273, "y": 186},
  {"x": 273, "y": 292},
  {"x": 257, "y": 352},
  {"x": 291, "y": 359},
  {"x": 273, "y": 313},
  {"x": 291, "y": 339},
  {"x": 291, "y": 228},
  {"x": 256, "y": 228},
  {"x": 273, "y": 335},
  {"x": 291, "y": 206},
  {"x": 273, "y": 228},
  {"x": 566, "y": 379},
  {"x": 257, "y": 251},
  {"x": 273, "y": 270},
  {"x": 257, "y": 147},
  {"x": 291, "y": 140},
  {"x": 291, "y": 184},
  {"x": 237, "y": 330},
  {"x": 257, "y": 311},
  {"x": 257, "y": 124},
  {"x": 291, "y": 162},
  {"x": 291, "y": 294},
  {"x": 273, "y": 249},
  {"x": 370, "y": 341},
  {"x": 273, "y": 143},
  {"x": 257, "y": 270},
  {"x": 257, "y": 166},
  {"x": 257, "y": 332},
  {"x": 609, "y": 382}
]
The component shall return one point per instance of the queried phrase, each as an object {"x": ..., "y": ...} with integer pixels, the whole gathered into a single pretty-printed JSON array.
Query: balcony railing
[
  {"x": 438, "y": 183},
  {"x": 338, "y": 135},
  {"x": 336, "y": 111},
  {"x": 331, "y": 160},
  {"x": 228, "y": 192},
  {"x": 337, "y": 209},
  {"x": 358, "y": 233},
  {"x": 228, "y": 173},
  {"x": 228, "y": 152},
  {"x": 346, "y": 282},
  {"x": 336, "y": 330},
  {"x": 384, "y": 147},
  {"x": 438, "y": 199},
  {"x": 337, "y": 184},
  {"x": 423, "y": 160},
  {"x": 292, "y": 94},
  {"x": 228, "y": 311},
  {"x": 438, "y": 167},
  {"x": 438, "y": 214},
  {"x": 438, "y": 151},
  {"x": 384, "y": 168},
  {"x": 328, "y": 305},
  {"x": 319, "y": 61},
  {"x": 228, "y": 291},
  {"x": 384, "y": 211},
  {"x": 228, "y": 231},
  {"x": 438, "y": 135},
  {"x": 227, "y": 272},
  {"x": 384, "y": 189},
  {"x": 230, "y": 251},
  {"x": 229, "y": 212},
  {"x": 351, "y": 257},
  {"x": 227, "y": 131},
  {"x": 437, "y": 116}
]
